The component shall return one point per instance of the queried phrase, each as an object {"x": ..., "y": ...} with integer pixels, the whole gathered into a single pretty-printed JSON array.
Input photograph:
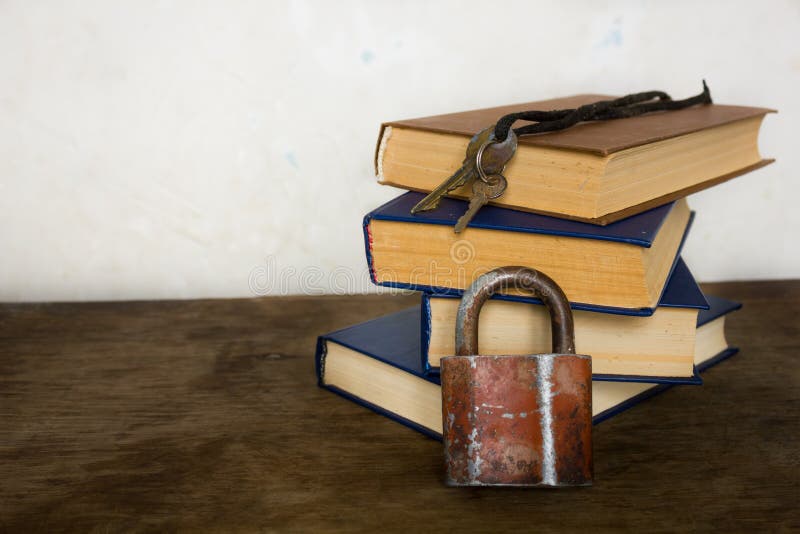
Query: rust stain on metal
[{"x": 517, "y": 420}]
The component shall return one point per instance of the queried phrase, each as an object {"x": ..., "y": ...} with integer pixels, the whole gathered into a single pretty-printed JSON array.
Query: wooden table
[{"x": 205, "y": 415}]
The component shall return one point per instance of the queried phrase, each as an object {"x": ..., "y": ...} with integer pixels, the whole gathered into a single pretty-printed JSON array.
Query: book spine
[
  {"x": 425, "y": 332},
  {"x": 319, "y": 359},
  {"x": 368, "y": 248}
]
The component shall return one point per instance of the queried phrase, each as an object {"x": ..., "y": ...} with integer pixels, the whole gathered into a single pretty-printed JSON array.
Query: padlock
[{"x": 517, "y": 420}]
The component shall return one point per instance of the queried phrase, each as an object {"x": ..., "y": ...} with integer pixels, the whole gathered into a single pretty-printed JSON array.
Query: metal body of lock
[{"x": 517, "y": 420}]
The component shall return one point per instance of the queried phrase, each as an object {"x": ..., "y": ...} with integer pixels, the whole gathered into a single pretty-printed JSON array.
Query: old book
[
  {"x": 656, "y": 348},
  {"x": 624, "y": 265},
  {"x": 376, "y": 364},
  {"x": 597, "y": 172}
]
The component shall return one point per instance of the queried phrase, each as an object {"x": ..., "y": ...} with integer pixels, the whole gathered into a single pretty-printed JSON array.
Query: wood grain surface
[{"x": 205, "y": 416}]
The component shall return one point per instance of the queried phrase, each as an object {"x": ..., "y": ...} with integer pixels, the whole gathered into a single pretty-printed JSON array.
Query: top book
[{"x": 596, "y": 172}]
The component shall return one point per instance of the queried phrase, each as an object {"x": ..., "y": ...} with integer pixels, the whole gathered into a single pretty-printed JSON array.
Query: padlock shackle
[{"x": 523, "y": 278}]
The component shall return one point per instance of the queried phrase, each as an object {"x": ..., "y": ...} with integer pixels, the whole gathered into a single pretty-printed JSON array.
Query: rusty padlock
[{"x": 517, "y": 420}]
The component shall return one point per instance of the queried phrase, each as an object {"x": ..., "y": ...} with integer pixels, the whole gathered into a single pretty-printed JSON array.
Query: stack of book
[{"x": 599, "y": 207}]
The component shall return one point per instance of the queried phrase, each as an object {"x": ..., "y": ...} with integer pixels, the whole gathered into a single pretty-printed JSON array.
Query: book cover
[
  {"x": 672, "y": 221},
  {"x": 387, "y": 348},
  {"x": 639, "y": 230},
  {"x": 717, "y": 306},
  {"x": 680, "y": 292},
  {"x": 598, "y": 171},
  {"x": 599, "y": 137}
]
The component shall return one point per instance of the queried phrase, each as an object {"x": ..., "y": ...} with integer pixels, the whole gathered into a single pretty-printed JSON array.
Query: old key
[
  {"x": 482, "y": 192},
  {"x": 483, "y": 148}
]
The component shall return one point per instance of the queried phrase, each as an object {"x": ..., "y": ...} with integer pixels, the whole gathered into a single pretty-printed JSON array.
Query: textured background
[{"x": 186, "y": 149}]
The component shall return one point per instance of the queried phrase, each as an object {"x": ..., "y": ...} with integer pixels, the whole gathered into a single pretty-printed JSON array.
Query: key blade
[
  {"x": 430, "y": 202},
  {"x": 476, "y": 202},
  {"x": 462, "y": 223},
  {"x": 472, "y": 210},
  {"x": 462, "y": 176},
  {"x": 482, "y": 193}
]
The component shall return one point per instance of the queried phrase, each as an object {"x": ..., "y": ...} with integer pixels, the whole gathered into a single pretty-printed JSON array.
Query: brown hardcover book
[{"x": 596, "y": 172}]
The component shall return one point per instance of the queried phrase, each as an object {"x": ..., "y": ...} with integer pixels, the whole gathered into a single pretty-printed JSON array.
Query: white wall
[{"x": 183, "y": 149}]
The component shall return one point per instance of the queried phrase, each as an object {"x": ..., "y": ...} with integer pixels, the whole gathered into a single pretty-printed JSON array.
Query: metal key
[
  {"x": 482, "y": 193},
  {"x": 495, "y": 155},
  {"x": 462, "y": 176}
]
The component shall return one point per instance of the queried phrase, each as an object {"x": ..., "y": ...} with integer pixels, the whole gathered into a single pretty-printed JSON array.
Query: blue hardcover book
[
  {"x": 376, "y": 364},
  {"x": 624, "y": 346},
  {"x": 624, "y": 265}
]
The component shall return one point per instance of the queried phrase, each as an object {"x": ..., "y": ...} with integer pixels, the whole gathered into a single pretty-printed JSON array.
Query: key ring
[{"x": 479, "y": 163}]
